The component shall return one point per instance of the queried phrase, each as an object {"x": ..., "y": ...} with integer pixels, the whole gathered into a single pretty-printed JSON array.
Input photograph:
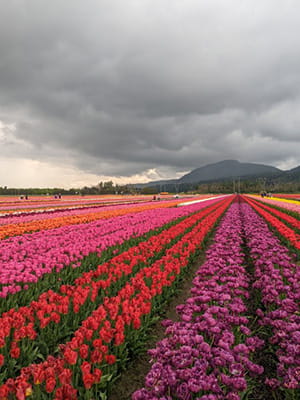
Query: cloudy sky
[{"x": 138, "y": 90}]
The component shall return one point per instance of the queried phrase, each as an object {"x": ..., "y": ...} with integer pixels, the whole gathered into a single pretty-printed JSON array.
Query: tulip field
[{"x": 85, "y": 281}]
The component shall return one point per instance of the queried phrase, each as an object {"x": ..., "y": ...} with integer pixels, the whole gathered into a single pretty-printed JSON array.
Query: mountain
[
  {"x": 227, "y": 169},
  {"x": 293, "y": 174}
]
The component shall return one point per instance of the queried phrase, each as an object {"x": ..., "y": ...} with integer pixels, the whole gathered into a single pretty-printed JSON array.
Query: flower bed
[
  {"x": 48, "y": 213},
  {"x": 56, "y": 222},
  {"x": 278, "y": 280},
  {"x": 290, "y": 206},
  {"x": 30, "y": 324},
  {"x": 288, "y": 233},
  {"x": 208, "y": 354},
  {"x": 282, "y": 215},
  {"x": 112, "y": 327},
  {"x": 24, "y": 260}
]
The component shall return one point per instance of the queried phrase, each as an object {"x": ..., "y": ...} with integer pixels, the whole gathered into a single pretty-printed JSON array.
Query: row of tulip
[
  {"x": 48, "y": 213},
  {"x": 293, "y": 199},
  {"x": 284, "y": 216},
  {"x": 24, "y": 260},
  {"x": 293, "y": 207},
  {"x": 101, "y": 343},
  {"x": 277, "y": 278},
  {"x": 285, "y": 231},
  {"x": 44, "y": 213},
  {"x": 288, "y": 196},
  {"x": 53, "y": 313},
  {"x": 39, "y": 203},
  {"x": 208, "y": 354},
  {"x": 19, "y": 208},
  {"x": 278, "y": 281},
  {"x": 69, "y": 274},
  {"x": 56, "y": 222},
  {"x": 41, "y": 208},
  {"x": 28, "y": 207}
]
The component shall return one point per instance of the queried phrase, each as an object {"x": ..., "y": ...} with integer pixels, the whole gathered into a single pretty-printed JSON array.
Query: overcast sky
[{"x": 138, "y": 90}]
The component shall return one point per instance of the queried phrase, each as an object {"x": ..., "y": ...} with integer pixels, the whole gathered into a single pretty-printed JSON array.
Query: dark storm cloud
[{"x": 120, "y": 87}]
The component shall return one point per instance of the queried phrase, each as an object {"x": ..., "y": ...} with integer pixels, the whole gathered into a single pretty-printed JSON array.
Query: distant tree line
[
  {"x": 253, "y": 185},
  {"x": 35, "y": 191},
  {"x": 256, "y": 185},
  {"x": 101, "y": 188},
  {"x": 108, "y": 187}
]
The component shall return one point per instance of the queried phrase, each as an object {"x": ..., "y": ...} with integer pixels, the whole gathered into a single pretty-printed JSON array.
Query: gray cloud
[{"x": 117, "y": 88}]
